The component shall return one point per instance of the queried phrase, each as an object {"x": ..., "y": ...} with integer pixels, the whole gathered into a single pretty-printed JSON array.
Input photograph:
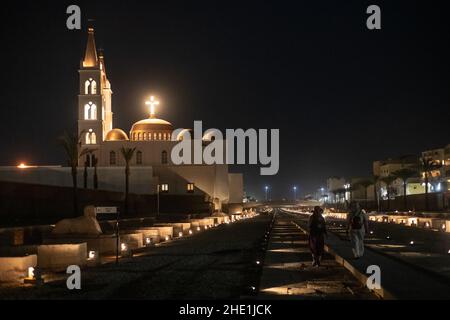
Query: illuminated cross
[{"x": 152, "y": 103}]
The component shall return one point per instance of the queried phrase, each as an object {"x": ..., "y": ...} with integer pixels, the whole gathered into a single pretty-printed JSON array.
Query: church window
[
  {"x": 90, "y": 111},
  {"x": 164, "y": 157},
  {"x": 154, "y": 136},
  {"x": 93, "y": 87},
  {"x": 139, "y": 157},
  {"x": 190, "y": 187},
  {"x": 139, "y": 136},
  {"x": 112, "y": 158},
  {"x": 90, "y": 86},
  {"x": 145, "y": 136},
  {"x": 159, "y": 136},
  {"x": 91, "y": 137}
]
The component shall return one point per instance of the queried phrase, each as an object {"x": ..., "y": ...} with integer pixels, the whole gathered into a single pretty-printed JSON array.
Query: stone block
[
  {"x": 59, "y": 256},
  {"x": 16, "y": 268}
]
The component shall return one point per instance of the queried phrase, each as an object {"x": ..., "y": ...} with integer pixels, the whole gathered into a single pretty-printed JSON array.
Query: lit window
[
  {"x": 164, "y": 187},
  {"x": 139, "y": 157},
  {"x": 159, "y": 136},
  {"x": 91, "y": 137},
  {"x": 90, "y": 86},
  {"x": 139, "y": 136},
  {"x": 93, "y": 87},
  {"x": 145, "y": 136},
  {"x": 90, "y": 111},
  {"x": 112, "y": 158},
  {"x": 190, "y": 187},
  {"x": 164, "y": 157}
]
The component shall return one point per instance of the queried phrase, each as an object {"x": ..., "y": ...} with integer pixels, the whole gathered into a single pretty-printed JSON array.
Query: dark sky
[{"x": 341, "y": 95}]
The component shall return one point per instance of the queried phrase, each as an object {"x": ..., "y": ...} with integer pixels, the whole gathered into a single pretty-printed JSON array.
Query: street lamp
[
  {"x": 295, "y": 193},
  {"x": 267, "y": 191}
]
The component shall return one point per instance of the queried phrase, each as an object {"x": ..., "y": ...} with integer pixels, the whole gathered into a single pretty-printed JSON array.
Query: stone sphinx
[{"x": 86, "y": 225}]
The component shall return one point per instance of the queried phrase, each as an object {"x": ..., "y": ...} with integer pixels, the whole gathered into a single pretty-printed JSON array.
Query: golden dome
[
  {"x": 151, "y": 129},
  {"x": 152, "y": 124},
  {"x": 116, "y": 135}
]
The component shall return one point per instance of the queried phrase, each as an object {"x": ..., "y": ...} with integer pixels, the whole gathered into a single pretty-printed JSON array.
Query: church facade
[{"x": 152, "y": 170}]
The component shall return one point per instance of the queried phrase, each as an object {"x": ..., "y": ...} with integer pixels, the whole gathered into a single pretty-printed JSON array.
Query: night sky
[{"x": 341, "y": 95}]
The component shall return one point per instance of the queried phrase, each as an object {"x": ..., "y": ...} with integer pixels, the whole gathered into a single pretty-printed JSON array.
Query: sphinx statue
[{"x": 86, "y": 224}]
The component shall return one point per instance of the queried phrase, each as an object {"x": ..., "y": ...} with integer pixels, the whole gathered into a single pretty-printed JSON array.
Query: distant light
[
  {"x": 411, "y": 243},
  {"x": 31, "y": 272},
  {"x": 206, "y": 227},
  {"x": 443, "y": 226},
  {"x": 92, "y": 255},
  {"x": 252, "y": 288},
  {"x": 22, "y": 166},
  {"x": 148, "y": 241},
  {"x": 123, "y": 247},
  {"x": 427, "y": 224},
  {"x": 198, "y": 228},
  {"x": 180, "y": 234},
  {"x": 167, "y": 238},
  {"x": 258, "y": 262},
  {"x": 190, "y": 231},
  {"x": 388, "y": 237},
  {"x": 371, "y": 232}
]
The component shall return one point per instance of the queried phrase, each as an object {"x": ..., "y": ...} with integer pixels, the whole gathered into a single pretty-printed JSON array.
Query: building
[
  {"x": 152, "y": 170},
  {"x": 439, "y": 179},
  {"x": 386, "y": 168}
]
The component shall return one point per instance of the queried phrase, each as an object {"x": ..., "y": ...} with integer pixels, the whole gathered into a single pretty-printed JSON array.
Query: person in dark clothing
[{"x": 317, "y": 233}]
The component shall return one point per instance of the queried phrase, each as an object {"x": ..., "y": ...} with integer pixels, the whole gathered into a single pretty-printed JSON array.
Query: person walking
[
  {"x": 357, "y": 227},
  {"x": 317, "y": 232}
]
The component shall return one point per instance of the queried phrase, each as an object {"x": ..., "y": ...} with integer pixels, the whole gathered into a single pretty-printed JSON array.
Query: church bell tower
[{"x": 95, "y": 116}]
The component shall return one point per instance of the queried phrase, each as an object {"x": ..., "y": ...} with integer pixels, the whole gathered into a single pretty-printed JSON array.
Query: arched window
[
  {"x": 93, "y": 87},
  {"x": 139, "y": 157},
  {"x": 164, "y": 157},
  {"x": 154, "y": 136},
  {"x": 112, "y": 158},
  {"x": 87, "y": 86},
  {"x": 91, "y": 138},
  {"x": 159, "y": 136},
  {"x": 90, "y": 111},
  {"x": 139, "y": 136},
  {"x": 93, "y": 112},
  {"x": 90, "y": 86},
  {"x": 145, "y": 136}
]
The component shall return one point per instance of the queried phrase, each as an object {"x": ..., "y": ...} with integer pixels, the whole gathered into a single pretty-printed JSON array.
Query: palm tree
[
  {"x": 426, "y": 165},
  {"x": 375, "y": 180},
  {"x": 94, "y": 163},
  {"x": 127, "y": 154},
  {"x": 388, "y": 180},
  {"x": 404, "y": 174},
  {"x": 365, "y": 184},
  {"x": 335, "y": 195},
  {"x": 341, "y": 194},
  {"x": 85, "y": 173},
  {"x": 72, "y": 147}
]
